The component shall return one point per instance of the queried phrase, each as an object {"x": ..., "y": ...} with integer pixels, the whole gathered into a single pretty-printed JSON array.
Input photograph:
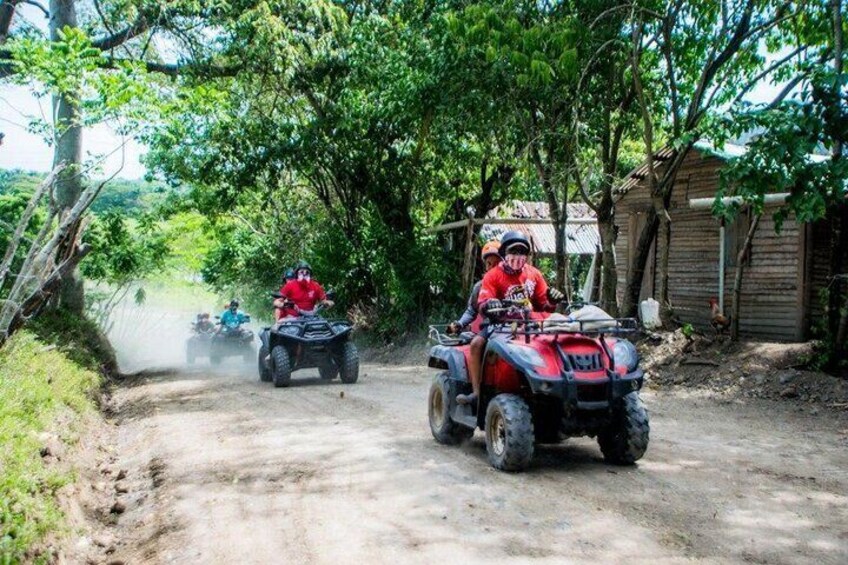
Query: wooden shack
[{"x": 784, "y": 273}]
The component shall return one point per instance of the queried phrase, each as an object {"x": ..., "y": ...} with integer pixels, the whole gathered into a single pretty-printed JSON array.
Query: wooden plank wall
[
  {"x": 819, "y": 250},
  {"x": 770, "y": 289}
]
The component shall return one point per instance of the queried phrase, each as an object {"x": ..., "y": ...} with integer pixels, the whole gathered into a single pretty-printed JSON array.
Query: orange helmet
[{"x": 490, "y": 248}]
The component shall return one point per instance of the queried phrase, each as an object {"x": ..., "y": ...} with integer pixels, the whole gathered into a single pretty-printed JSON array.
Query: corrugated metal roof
[{"x": 580, "y": 239}]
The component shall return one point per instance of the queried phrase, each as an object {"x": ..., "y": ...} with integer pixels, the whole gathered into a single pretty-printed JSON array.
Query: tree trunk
[
  {"x": 633, "y": 285},
  {"x": 838, "y": 320},
  {"x": 743, "y": 255},
  {"x": 68, "y": 151},
  {"x": 469, "y": 258},
  {"x": 663, "y": 251},
  {"x": 609, "y": 271}
]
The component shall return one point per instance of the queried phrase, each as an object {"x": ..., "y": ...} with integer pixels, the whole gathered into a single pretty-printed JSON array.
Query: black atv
[
  {"x": 308, "y": 341},
  {"x": 198, "y": 344},
  {"x": 231, "y": 342}
]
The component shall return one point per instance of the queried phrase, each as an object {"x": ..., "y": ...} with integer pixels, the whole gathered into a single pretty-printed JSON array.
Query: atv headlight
[
  {"x": 625, "y": 355},
  {"x": 527, "y": 354},
  {"x": 289, "y": 330}
]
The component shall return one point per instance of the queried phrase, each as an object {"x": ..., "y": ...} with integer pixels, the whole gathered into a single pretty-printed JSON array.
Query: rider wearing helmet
[
  {"x": 301, "y": 294},
  {"x": 233, "y": 318},
  {"x": 514, "y": 280},
  {"x": 491, "y": 259}
]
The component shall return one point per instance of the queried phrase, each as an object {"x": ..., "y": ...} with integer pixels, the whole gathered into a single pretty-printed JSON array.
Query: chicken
[{"x": 718, "y": 320}]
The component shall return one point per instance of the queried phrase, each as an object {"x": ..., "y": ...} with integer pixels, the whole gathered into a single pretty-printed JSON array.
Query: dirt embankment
[{"x": 736, "y": 371}]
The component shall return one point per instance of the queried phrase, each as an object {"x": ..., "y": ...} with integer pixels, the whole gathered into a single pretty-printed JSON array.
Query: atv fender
[
  {"x": 263, "y": 337},
  {"x": 450, "y": 358}
]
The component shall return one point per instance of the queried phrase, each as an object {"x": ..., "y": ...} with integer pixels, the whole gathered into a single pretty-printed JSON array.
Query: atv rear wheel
[
  {"x": 445, "y": 430},
  {"x": 281, "y": 366},
  {"x": 349, "y": 366},
  {"x": 264, "y": 368},
  {"x": 509, "y": 433},
  {"x": 625, "y": 440}
]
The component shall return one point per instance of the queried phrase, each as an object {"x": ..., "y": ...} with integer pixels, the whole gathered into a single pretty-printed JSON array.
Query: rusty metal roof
[{"x": 581, "y": 239}]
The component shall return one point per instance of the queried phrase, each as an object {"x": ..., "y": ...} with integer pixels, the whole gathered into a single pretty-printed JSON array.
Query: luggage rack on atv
[{"x": 529, "y": 327}]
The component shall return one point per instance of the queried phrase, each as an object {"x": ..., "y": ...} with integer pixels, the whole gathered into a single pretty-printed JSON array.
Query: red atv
[{"x": 544, "y": 379}]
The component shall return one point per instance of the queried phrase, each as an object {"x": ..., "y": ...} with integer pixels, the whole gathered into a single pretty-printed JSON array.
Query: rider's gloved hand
[
  {"x": 454, "y": 328},
  {"x": 493, "y": 304},
  {"x": 555, "y": 295},
  {"x": 329, "y": 304}
]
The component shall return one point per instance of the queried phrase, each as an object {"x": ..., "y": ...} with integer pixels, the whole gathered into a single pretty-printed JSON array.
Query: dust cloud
[{"x": 152, "y": 336}]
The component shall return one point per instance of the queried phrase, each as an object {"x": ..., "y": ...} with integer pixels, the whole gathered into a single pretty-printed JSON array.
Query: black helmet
[
  {"x": 234, "y": 303},
  {"x": 289, "y": 275},
  {"x": 510, "y": 238},
  {"x": 302, "y": 265}
]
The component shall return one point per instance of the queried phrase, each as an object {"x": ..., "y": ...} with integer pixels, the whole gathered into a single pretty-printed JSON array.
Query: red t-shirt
[
  {"x": 527, "y": 286},
  {"x": 304, "y": 294}
]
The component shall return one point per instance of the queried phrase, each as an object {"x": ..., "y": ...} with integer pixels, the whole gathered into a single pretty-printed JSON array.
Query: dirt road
[{"x": 225, "y": 469}]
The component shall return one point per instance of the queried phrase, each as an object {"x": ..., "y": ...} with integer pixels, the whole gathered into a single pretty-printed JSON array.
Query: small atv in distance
[
  {"x": 198, "y": 344},
  {"x": 308, "y": 341},
  {"x": 231, "y": 342},
  {"x": 544, "y": 379}
]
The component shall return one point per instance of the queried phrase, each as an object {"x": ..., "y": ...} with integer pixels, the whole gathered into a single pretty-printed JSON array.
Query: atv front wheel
[
  {"x": 445, "y": 430},
  {"x": 625, "y": 440},
  {"x": 281, "y": 366},
  {"x": 190, "y": 356},
  {"x": 509, "y": 433},
  {"x": 264, "y": 369},
  {"x": 349, "y": 366}
]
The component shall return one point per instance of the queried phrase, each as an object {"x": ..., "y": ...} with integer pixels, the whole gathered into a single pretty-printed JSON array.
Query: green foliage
[
  {"x": 688, "y": 330},
  {"x": 41, "y": 391},
  {"x": 16, "y": 190},
  {"x": 786, "y": 155},
  {"x": 124, "y": 252}
]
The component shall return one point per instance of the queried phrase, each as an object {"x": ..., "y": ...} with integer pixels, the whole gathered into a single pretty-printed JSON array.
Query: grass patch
[
  {"x": 42, "y": 391},
  {"x": 79, "y": 339}
]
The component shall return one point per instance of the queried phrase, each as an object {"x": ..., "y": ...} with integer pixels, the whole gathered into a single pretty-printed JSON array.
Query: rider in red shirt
[
  {"x": 513, "y": 280},
  {"x": 301, "y": 294}
]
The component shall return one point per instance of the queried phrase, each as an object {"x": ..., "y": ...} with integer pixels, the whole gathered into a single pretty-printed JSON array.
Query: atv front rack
[
  {"x": 529, "y": 327},
  {"x": 590, "y": 327}
]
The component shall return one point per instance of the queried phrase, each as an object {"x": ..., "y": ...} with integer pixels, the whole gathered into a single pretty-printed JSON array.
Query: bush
[{"x": 41, "y": 390}]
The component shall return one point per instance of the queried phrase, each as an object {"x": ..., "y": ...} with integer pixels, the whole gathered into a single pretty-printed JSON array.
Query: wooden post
[
  {"x": 595, "y": 294},
  {"x": 469, "y": 261}
]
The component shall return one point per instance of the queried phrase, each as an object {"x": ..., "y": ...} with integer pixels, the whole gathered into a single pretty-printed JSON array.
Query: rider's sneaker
[{"x": 466, "y": 398}]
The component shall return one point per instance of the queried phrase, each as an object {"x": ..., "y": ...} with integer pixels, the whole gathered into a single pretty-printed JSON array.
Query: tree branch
[
  {"x": 138, "y": 27},
  {"x": 38, "y": 5},
  {"x": 754, "y": 81}
]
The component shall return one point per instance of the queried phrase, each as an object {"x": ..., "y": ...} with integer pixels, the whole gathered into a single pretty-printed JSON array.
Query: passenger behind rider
[
  {"x": 278, "y": 310},
  {"x": 301, "y": 295},
  {"x": 232, "y": 318},
  {"x": 514, "y": 280},
  {"x": 471, "y": 316}
]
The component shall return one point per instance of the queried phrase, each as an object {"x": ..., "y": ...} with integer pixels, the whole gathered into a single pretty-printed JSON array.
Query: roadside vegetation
[{"x": 46, "y": 399}]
